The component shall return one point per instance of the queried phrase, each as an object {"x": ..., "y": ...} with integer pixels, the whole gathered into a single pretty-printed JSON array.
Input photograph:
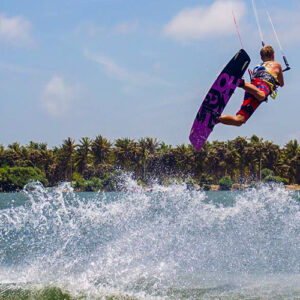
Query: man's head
[{"x": 267, "y": 53}]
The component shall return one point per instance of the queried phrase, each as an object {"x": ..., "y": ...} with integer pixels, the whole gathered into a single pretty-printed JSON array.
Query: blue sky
[{"x": 134, "y": 68}]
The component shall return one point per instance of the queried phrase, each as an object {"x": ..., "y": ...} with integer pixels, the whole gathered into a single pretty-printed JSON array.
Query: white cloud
[
  {"x": 205, "y": 21},
  {"x": 110, "y": 67},
  {"x": 57, "y": 97},
  {"x": 129, "y": 78},
  {"x": 15, "y": 30}
]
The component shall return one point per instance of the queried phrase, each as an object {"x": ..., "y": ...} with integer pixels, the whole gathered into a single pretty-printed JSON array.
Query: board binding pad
[{"x": 217, "y": 98}]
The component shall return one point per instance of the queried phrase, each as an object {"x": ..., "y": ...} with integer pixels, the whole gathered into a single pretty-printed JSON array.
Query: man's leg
[
  {"x": 253, "y": 90},
  {"x": 237, "y": 120},
  {"x": 252, "y": 99}
]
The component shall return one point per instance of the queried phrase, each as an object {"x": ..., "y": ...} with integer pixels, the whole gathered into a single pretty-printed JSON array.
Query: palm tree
[
  {"x": 296, "y": 164},
  {"x": 291, "y": 149},
  {"x": 33, "y": 145},
  {"x": 144, "y": 153},
  {"x": 2, "y": 154},
  {"x": 15, "y": 147},
  {"x": 66, "y": 155},
  {"x": 100, "y": 151},
  {"x": 163, "y": 147},
  {"x": 215, "y": 161},
  {"x": 47, "y": 160},
  {"x": 152, "y": 144},
  {"x": 163, "y": 161},
  {"x": 240, "y": 144},
  {"x": 147, "y": 146},
  {"x": 184, "y": 158},
  {"x": 126, "y": 153},
  {"x": 13, "y": 155},
  {"x": 291, "y": 154},
  {"x": 82, "y": 154},
  {"x": 230, "y": 159},
  {"x": 254, "y": 156},
  {"x": 34, "y": 155},
  {"x": 198, "y": 158},
  {"x": 272, "y": 156}
]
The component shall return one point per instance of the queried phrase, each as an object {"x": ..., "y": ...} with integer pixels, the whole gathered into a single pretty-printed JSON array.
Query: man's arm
[{"x": 279, "y": 75}]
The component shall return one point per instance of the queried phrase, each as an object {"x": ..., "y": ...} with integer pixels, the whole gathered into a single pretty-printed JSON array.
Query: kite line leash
[{"x": 257, "y": 23}]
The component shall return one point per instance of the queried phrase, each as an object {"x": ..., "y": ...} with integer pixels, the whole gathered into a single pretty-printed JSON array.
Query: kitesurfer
[{"x": 265, "y": 79}]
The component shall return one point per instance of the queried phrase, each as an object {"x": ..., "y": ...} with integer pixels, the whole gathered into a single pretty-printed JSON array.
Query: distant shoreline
[
  {"x": 212, "y": 187},
  {"x": 293, "y": 187},
  {"x": 242, "y": 187},
  {"x": 100, "y": 165}
]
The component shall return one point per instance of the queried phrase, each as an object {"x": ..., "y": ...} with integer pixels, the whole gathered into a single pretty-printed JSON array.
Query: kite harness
[{"x": 261, "y": 72}]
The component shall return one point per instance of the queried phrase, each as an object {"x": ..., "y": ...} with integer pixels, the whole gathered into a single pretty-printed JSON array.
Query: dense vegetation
[{"x": 95, "y": 164}]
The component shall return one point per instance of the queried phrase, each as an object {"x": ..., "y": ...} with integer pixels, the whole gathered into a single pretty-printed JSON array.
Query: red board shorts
[{"x": 250, "y": 103}]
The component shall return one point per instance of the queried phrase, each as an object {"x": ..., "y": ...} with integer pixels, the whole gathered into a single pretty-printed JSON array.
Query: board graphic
[{"x": 217, "y": 98}]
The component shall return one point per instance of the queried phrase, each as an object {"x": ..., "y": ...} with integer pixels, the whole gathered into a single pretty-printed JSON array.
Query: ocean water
[{"x": 167, "y": 243}]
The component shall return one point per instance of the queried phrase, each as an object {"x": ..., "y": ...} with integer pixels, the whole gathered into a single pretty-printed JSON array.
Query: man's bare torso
[{"x": 275, "y": 69}]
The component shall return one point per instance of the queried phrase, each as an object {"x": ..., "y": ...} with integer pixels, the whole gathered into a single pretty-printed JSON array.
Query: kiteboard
[{"x": 217, "y": 98}]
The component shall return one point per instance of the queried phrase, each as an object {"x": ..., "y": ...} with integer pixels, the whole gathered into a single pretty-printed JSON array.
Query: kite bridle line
[
  {"x": 237, "y": 29},
  {"x": 239, "y": 35},
  {"x": 274, "y": 31},
  {"x": 257, "y": 23}
]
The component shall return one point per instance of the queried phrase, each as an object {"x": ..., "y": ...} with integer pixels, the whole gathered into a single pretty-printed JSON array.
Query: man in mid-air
[{"x": 264, "y": 80}]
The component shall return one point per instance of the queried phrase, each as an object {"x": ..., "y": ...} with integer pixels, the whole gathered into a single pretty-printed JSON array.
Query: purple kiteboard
[{"x": 217, "y": 98}]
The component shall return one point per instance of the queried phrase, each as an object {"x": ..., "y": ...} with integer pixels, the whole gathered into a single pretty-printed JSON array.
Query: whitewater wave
[{"x": 167, "y": 243}]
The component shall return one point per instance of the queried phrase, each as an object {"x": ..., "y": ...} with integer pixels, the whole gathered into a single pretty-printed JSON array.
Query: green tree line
[{"x": 93, "y": 164}]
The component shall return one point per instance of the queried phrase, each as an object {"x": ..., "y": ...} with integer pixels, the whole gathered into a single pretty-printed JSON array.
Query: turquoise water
[{"x": 167, "y": 243}]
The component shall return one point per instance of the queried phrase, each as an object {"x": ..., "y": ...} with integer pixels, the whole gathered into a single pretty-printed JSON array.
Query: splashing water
[{"x": 167, "y": 243}]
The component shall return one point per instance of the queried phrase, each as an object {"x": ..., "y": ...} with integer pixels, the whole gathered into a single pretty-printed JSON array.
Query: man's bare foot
[{"x": 237, "y": 120}]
